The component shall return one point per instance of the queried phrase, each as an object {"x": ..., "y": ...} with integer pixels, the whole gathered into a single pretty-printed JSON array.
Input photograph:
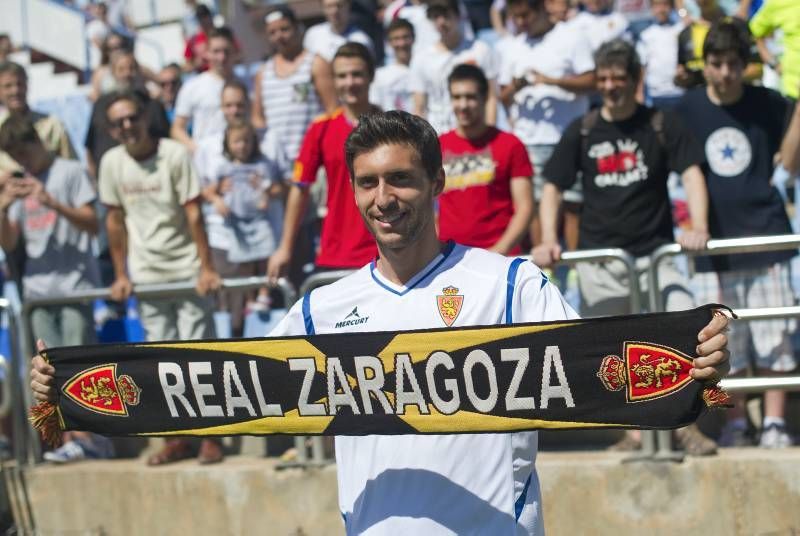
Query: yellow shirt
[
  {"x": 51, "y": 132},
  {"x": 784, "y": 15}
]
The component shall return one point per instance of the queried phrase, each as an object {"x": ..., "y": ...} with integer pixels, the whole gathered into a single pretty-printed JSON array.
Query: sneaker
[
  {"x": 694, "y": 442},
  {"x": 775, "y": 436},
  {"x": 69, "y": 452}
]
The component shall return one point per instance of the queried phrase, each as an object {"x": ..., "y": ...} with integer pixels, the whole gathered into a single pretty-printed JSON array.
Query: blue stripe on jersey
[
  {"x": 307, "y": 314},
  {"x": 544, "y": 281},
  {"x": 511, "y": 283},
  {"x": 520, "y": 504},
  {"x": 448, "y": 249}
]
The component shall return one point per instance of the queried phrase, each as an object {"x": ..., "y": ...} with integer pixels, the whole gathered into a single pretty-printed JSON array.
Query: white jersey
[
  {"x": 390, "y": 89},
  {"x": 429, "y": 72},
  {"x": 435, "y": 484},
  {"x": 658, "y": 50},
  {"x": 199, "y": 100},
  {"x": 541, "y": 112},
  {"x": 600, "y": 27},
  {"x": 320, "y": 39}
]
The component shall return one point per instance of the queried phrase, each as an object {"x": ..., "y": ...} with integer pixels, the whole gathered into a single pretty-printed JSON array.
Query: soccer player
[{"x": 429, "y": 484}]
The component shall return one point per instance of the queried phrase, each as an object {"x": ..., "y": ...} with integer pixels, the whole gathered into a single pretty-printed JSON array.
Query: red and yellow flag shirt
[{"x": 345, "y": 240}]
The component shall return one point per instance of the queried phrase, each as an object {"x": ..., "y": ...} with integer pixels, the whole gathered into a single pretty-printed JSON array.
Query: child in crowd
[{"x": 249, "y": 191}]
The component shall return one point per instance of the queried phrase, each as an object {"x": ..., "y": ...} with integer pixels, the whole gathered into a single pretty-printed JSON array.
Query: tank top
[{"x": 290, "y": 103}]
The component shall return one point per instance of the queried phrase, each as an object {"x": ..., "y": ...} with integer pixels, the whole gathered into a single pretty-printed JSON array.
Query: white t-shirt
[
  {"x": 430, "y": 69},
  {"x": 425, "y": 32},
  {"x": 200, "y": 100},
  {"x": 541, "y": 112},
  {"x": 436, "y": 484},
  {"x": 658, "y": 50},
  {"x": 599, "y": 28},
  {"x": 323, "y": 41},
  {"x": 390, "y": 89},
  {"x": 152, "y": 193}
]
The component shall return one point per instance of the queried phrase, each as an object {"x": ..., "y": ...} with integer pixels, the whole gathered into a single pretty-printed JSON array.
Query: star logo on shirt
[{"x": 728, "y": 152}]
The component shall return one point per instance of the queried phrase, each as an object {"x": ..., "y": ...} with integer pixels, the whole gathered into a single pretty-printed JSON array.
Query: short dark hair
[
  {"x": 9, "y": 67},
  {"x": 439, "y": 7},
  {"x": 121, "y": 95},
  {"x": 536, "y": 5},
  {"x": 618, "y": 53},
  {"x": 399, "y": 24},
  {"x": 728, "y": 35},
  {"x": 222, "y": 31},
  {"x": 17, "y": 130},
  {"x": 235, "y": 83},
  {"x": 356, "y": 50},
  {"x": 471, "y": 73},
  {"x": 202, "y": 11},
  {"x": 285, "y": 12},
  {"x": 394, "y": 127}
]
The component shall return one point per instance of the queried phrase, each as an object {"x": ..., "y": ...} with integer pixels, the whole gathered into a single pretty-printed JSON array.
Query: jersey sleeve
[
  {"x": 309, "y": 159},
  {"x": 183, "y": 102},
  {"x": 106, "y": 181},
  {"x": 682, "y": 147},
  {"x": 536, "y": 299},
  {"x": 184, "y": 178},
  {"x": 505, "y": 71},
  {"x": 292, "y": 323},
  {"x": 582, "y": 58},
  {"x": 563, "y": 166},
  {"x": 489, "y": 61},
  {"x": 81, "y": 189},
  {"x": 416, "y": 75},
  {"x": 763, "y": 22},
  {"x": 518, "y": 156}
]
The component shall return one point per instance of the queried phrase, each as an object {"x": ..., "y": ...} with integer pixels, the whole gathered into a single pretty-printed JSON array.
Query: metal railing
[
  {"x": 29, "y": 450},
  {"x": 572, "y": 258},
  {"x": 758, "y": 244}
]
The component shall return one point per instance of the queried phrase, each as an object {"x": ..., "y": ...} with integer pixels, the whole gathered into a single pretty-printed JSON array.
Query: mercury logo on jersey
[
  {"x": 618, "y": 165},
  {"x": 352, "y": 319}
]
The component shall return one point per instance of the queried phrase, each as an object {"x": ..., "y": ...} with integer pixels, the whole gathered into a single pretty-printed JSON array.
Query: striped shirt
[{"x": 290, "y": 103}]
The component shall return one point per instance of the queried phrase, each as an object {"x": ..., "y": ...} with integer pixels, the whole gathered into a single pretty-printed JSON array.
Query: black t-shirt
[
  {"x": 624, "y": 172},
  {"x": 740, "y": 142},
  {"x": 98, "y": 139}
]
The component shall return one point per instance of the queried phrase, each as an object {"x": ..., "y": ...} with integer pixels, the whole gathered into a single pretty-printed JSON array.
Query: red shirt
[
  {"x": 475, "y": 207},
  {"x": 196, "y": 47},
  {"x": 345, "y": 240}
]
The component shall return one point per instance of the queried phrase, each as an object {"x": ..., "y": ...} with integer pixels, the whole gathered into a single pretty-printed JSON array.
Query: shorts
[
  {"x": 605, "y": 287},
  {"x": 539, "y": 155},
  {"x": 771, "y": 343},
  {"x": 182, "y": 318}
]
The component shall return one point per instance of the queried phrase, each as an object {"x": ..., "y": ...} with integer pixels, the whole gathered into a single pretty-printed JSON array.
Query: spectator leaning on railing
[
  {"x": 50, "y": 204},
  {"x": 156, "y": 235},
  {"x": 624, "y": 153},
  {"x": 741, "y": 128}
]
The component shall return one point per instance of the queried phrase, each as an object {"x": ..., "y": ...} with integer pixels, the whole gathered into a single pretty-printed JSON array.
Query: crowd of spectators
[{"x": 563, "y": 124}]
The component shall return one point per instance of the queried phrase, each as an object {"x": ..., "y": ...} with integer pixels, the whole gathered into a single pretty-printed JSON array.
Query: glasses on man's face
[{"x": 119, "y": 123}]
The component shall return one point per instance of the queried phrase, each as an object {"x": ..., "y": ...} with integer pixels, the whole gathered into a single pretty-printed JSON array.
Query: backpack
[{"x": 589, "y": 120}]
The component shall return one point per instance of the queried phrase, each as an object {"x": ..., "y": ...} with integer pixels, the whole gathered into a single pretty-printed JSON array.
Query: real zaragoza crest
[
  {"x": 449, "y": 303},
  {"x": 99, "y": 389}
]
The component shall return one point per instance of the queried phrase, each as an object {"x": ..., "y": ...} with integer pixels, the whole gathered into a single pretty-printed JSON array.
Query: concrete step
[{"x": 738, "y": 492}]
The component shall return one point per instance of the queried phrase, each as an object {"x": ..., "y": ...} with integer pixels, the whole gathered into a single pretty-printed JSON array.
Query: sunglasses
[{"x": 119, "y": 123}]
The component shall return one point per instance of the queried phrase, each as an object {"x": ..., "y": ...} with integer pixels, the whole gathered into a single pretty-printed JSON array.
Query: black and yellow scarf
[{"x": 615, "y": 372}]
